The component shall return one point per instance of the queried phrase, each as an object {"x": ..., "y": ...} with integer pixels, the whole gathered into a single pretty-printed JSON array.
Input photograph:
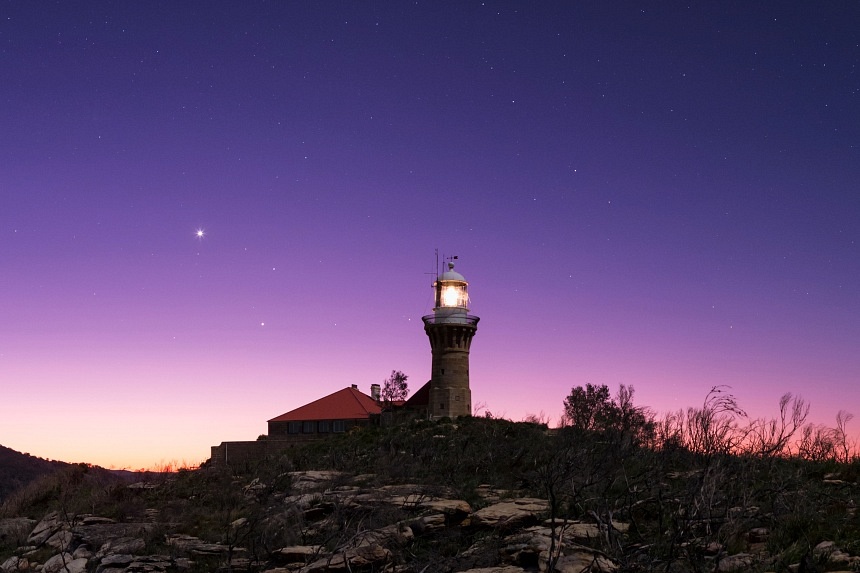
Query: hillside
[
  {"x": 17, "y": 470},
  {"x": 476, "y": 494}
]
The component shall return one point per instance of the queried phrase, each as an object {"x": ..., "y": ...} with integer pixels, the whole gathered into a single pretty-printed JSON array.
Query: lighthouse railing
[{"x": 467, "y": 319}]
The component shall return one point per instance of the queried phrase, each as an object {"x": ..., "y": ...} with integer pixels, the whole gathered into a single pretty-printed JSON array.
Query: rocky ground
[
  {"x": 352, "y": 525},
  {"x": 74, "y": 544}
]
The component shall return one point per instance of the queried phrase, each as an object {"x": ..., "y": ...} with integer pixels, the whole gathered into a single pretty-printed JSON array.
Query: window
[
  {"x": 309, "y": 427},
  {"x": 322, "y": 427},
  {"x": 442, "y": 406},
  {"x": 294, "y": 428},
  {"x": 338, "y": 426}
]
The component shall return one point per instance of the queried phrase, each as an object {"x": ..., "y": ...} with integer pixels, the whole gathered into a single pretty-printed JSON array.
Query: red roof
[{"x": 346, "y": 404}]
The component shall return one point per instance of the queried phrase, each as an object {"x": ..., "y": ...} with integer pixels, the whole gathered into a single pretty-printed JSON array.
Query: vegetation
[
  {"x": 676, "y": 493},
  {"x": 17, "y": 470},
  {"x": 394, "y": 388}
]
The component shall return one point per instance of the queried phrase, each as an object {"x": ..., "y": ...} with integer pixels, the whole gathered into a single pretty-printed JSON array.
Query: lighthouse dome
[{"x": 451, "y": 275}]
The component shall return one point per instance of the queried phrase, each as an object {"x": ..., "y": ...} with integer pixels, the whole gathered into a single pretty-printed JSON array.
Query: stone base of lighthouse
[
  {"x": 450, "y": 396},
  {"x": 449, "y": 402}
]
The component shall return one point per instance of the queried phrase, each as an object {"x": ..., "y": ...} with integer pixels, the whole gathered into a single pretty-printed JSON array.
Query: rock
[
  {"x": 313, "y": 480},
  {"x": 576, "y": 530},
  {"x": 824, "y": 549},
  {"x": 758, "y": 534},
  {"x": 141, "y": 485},
  {"x": 300, "y": 553},
  {"x": 10, "y": 564},
  {"x": 834, "y": 556},
  {"x": 398, "y": 533},
  {"x": 64, "y": 563},
  {"x": 117, "y": 559},
  {"x": 98, "y": 534},
  {"x": 94, "y": 520},
  {"x": 61, "y": 540},
  {"x": 499, "y": 569},
  {"x": 510, "y": 513},
  {"x": 82, "y": 552},
  {"x": 714, "y": 548},
  {"x": 448, "y": 506},
  {"x": 121, "y": 545},
  {"x": 490, "y": 494},
  {"x": 49, "y": 525},
  {"x": 195, "y": 545},
  {"x": 429, "y": 523},
  {"x": 534, "y": 544},
  {"x": 582, "y": 561},
  {"x": 366, "y": 556},
  {"x": 737, "y": 562}
]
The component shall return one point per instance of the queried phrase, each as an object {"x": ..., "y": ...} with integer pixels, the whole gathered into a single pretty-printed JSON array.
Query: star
[{"x": 199, "y": 233}]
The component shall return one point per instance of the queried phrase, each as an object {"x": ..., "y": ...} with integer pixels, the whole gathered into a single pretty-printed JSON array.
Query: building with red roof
[{"x": 335, "y": 413}]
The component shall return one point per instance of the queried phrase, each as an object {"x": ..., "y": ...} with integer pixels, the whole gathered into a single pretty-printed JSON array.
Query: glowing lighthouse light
[{"x": 454, "y": 296}]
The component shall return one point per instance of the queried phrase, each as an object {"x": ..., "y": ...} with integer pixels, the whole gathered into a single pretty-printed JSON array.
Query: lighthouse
[{"x": 450, "y": 329}]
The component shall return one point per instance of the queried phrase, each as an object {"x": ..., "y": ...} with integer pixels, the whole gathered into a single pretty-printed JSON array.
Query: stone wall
[{"x": 237, "y": 453}]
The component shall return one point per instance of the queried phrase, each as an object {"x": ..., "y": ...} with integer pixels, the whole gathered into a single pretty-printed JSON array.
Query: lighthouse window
[
  {"x": 443, "y": 371},
  {"x": 442, "y": 406}
]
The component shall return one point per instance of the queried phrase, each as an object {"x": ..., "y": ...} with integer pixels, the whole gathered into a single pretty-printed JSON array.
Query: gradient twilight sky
[{"x": 648, "y": 193}]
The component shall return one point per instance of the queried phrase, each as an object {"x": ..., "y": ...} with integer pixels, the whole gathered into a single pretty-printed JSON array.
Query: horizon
[{"x": 212, "y": 214}]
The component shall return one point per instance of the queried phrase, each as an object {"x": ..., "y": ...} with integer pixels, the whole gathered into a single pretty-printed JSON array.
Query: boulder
[
  {"x": 195, "y": 545},
  {"x": 829, "y": 551},
  {"x": 300, "y": 553},
  {"x": 758, "y": 534},
  {"x": 117, "y": 559},
  {"x": 737, "y": 562},
  {"x": 64, "y": 563},
  {"x": 398, "y": 533},
  {"x": 533, "y": 544},
  {"x": 510, "y": 513},
  {"x": 582, "y": 561},
  {"x": 61, "y": 540},
  {"x": 97, "y": 534},
  {"x": 95, "y": 520},
  {"x": 499, "y": 569},
  {"x": 82, "y": 552},
  {"x": 432, "y": 522},
  {"x": 121, "y": 545},
  {"x": 48, "y": 526},
  {"x": 313, "y": 480},
  {"x": 10, "y": 565},
  {"x": 366, "y": 556}
]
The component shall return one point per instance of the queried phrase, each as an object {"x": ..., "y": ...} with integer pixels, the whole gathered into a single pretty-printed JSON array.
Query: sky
[{"x": 656, "y": 194}]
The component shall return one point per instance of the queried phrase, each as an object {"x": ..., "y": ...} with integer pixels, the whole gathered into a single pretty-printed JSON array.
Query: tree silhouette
[{"x": 394, "y": 388}]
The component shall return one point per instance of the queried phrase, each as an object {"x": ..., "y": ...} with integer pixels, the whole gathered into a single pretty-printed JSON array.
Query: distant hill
[{"x": 17, "y": 469}]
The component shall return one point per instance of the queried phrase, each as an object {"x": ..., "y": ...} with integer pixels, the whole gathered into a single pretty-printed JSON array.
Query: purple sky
[{"x": 639, "y": 193}]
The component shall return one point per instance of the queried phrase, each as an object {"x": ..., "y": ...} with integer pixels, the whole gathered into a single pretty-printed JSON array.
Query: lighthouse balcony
[{"x": 465, "y": 319}]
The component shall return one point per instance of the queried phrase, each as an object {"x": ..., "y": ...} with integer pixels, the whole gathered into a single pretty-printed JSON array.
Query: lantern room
[{"x": 452, "y": 292}]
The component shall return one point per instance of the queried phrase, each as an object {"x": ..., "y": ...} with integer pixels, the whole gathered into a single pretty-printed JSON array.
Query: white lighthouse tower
[{"x": 450, "y": 329}]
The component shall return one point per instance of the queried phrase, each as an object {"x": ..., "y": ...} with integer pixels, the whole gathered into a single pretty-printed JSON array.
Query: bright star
[{"x": 199, "y": 233}]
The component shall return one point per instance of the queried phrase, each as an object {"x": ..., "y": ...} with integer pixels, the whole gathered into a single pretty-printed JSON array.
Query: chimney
[
  {"x": 355, "y": 386},
  {"x": 374, "y": 391}
]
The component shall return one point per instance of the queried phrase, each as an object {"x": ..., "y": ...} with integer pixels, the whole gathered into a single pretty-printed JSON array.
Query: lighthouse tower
[{"x": 450, "y": 329}]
